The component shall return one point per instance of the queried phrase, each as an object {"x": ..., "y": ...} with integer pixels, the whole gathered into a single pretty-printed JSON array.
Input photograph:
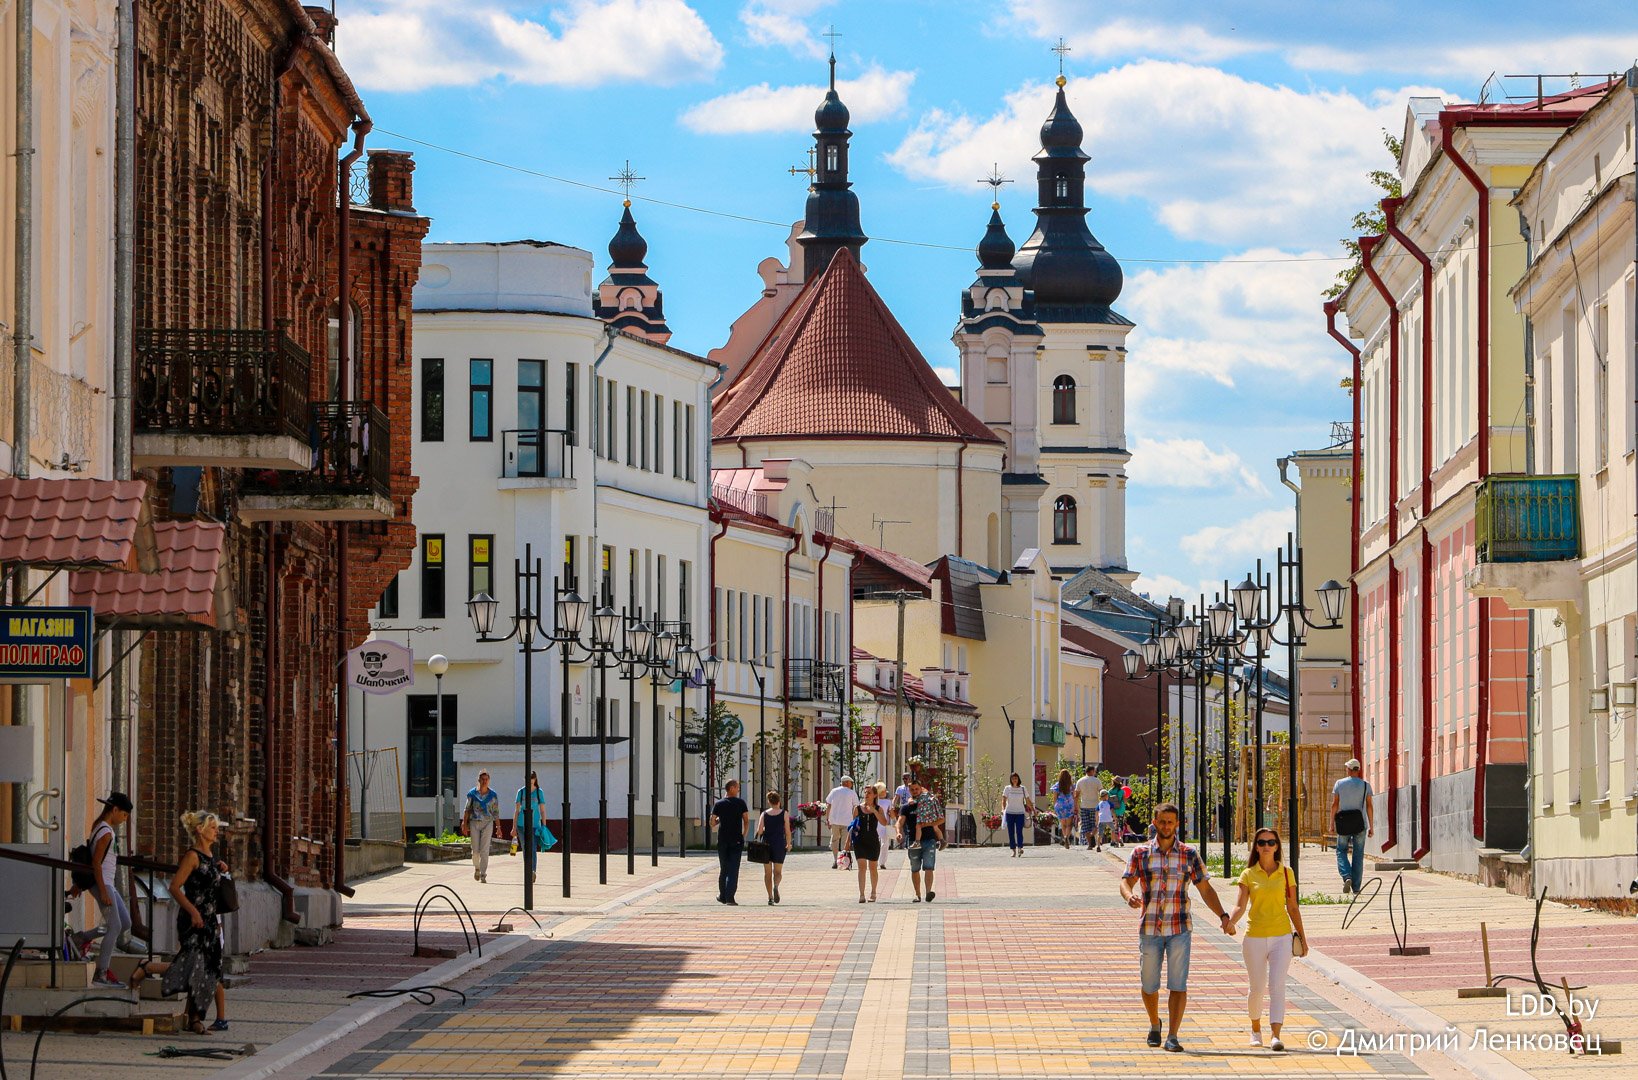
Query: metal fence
[
  {"x": 1318, "y": 767},
  {"x": 375, "y": 795}
]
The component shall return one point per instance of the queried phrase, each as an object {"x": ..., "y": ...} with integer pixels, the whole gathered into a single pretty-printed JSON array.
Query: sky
[{"x": 1230, "y": 146}]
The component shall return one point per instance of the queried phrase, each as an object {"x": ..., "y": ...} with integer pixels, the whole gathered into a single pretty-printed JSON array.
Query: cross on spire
[
  {"x": 809, "y": 170},
  {"x": 1063, "y": 49},
  {"x": 832, "y": 35},
  {"x": 995, "y": 180},
  {"x": 626, "y": 178}
]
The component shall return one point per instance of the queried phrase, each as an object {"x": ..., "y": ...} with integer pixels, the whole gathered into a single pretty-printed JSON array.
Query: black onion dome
[
  {"x": 628, "y": 248},
  {"x": 831, "y": 115},
  {"x": 1061, "y": 130},
  {"x": 996, "y": 250}
]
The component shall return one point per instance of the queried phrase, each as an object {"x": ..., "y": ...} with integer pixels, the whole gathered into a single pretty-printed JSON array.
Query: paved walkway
[{"x": 1021, "y": 968}]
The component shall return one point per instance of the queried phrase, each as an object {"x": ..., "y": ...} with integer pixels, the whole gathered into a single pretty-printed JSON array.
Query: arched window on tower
[
  {"x": 1063, "y": 400},
  {"x": 1064, "y": 530},
  {"x": 1063, "y": 188},
  {"x": 833, "y": 158}
]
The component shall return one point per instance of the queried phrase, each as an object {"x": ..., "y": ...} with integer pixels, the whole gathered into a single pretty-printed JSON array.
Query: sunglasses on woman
[{"x": 1268, "y": 843}]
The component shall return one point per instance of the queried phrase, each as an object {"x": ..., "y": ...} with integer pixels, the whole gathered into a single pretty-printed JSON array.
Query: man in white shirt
[
  {"x": 842, "y": 800},
  {"x": 1087, "y": 791}
]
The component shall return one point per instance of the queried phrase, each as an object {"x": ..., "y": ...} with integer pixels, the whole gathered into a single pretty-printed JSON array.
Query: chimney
[
  {"x": 887, "y": 671},
  {"x": 932, "y": 681},
  {"x": 959, "y": 681},
  {"x": 776, "y": 468},
  {"x": 391, "y": 184},
  {"x": 865, "y": 671},
  {"x": 325, "y": 21}
]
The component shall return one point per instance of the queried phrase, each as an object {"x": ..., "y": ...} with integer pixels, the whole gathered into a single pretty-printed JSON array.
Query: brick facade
[{"x": 240, "y": 103}]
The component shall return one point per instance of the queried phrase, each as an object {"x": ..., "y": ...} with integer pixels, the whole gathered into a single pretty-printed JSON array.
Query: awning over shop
[
  {"x": 187, "y": 591},
  {"x": 75, "y": 524}
]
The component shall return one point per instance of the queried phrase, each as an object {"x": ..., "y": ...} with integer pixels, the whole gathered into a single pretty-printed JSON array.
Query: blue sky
[{"x": 1229, "y": 148}]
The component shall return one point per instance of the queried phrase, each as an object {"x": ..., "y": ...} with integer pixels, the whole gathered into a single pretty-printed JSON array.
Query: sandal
[
  {"x": 138, "y": 974},
  {"x": 196, "y": 1026}
]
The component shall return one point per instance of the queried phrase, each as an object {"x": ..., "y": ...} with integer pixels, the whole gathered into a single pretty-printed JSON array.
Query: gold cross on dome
[
  {"x": 808, "y": 170},
  {"x": 995, "y": 180},
  {"x": 626, "y": 178}
]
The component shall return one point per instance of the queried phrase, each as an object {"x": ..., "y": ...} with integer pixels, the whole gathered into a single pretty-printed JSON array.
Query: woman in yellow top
[{"x": 1269, "y": 889}]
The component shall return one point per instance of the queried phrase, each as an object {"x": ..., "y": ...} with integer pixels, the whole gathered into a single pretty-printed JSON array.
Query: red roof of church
[{"x": 839, "y": 364}]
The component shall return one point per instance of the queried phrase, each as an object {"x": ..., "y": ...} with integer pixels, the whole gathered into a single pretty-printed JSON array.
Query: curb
[
  {"x": 288, "y": 1051},
  {"x": 1485, "y": 1063}
]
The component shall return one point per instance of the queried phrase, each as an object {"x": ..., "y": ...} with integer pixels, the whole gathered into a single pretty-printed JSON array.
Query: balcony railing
[
  {"x": 350, "y": 455},
  {"x": 536, "y": 453},
  {"x": 754, "y": 503},
  {"x": 220, "y": 382},
  {"x": 1528, "y": 519},
  {"x": 812, "y": 680}
]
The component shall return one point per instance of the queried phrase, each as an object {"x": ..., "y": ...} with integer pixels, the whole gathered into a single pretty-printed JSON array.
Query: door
[
  {"x": 31, "y": 811},
  {"x": 531, "y": 416}
]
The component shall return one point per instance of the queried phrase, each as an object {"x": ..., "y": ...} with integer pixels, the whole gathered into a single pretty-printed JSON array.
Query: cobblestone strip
[
  {"x": 927, "y": 1039},
  {"x": 831, "y": 1041}
]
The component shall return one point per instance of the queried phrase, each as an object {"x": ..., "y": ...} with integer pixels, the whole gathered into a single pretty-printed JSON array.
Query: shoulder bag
[{"x": 1299, "y": 944}]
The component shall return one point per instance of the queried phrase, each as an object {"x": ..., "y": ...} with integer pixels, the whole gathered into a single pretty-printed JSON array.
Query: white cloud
[
  {"x": 1159, "y": 587},
  {"x": 1190, "y": 463},
  {"x": 1222, "y": 159},
  {"x": 415, "y": 44},
  {"x": 1471, "y": 60},
  {"x": 1126, "y": 37},
  {"x": 780, "y": 23},
  {"x": 1256, "y": 311},
  {"x": 1244, "y": 540},
  {"x": 875, "y": 95}
]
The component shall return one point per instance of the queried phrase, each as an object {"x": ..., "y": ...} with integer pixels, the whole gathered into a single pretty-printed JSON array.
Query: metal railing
[
  {"x": 746, "y": 502},
  {"x": 351, "y": 455},
  {"x": 536, "y": 453},
  {"x": 812, "y": 680},
  {"x": 221, "y": 382},
  {"x": 1528, "y": 519}
]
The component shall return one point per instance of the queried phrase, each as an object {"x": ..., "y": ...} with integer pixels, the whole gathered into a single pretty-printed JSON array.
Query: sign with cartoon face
[{"x": 381, "y": 667}]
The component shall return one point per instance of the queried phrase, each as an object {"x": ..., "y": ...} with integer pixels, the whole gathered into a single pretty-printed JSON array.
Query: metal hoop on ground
[
  {"x": 456, "y": 905},
  {"x": 1350, "y": 915}
]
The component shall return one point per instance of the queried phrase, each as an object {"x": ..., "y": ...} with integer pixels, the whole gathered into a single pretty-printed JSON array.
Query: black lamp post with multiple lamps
[{"x": 1154, "y": 655}]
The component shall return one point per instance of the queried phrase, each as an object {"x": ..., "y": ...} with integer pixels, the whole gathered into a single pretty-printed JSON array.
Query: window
[
  {"x": 571, "y": 404},
  {"x": 676, "y": 440},
  {"x": 432, "y": 576},
  {"x": 606, "y": 593},
  {"x": 632, "y": 572},
  {"x": 432, "y": 400},
  {"x": 833, "y": 158},
  {"x": 531, "y": 416},
  {"x": 1063, "y": 520},
  {"x": 1063, "y": 188},
  {"x": 683, "y": 605},
  {"x": 1601, "y": 386},
  {"x": 333, "y": 345},
  {"x": 642, "y": 433},
  {"x": 659, "y": 591},
  {"x": 688, "y": 452},
  {"x": 479, "y": 575},
  {"x": 1569, "y": 373},
  {"x": 480, "y": 399},
  {"x": 728, "y": 625},
  {"x": 611, "y": 394},
  {"x": 631, "y": 425},
  {"x": 569, "y": 576},
  {"x": 423, "y": 736},
  {"x": 659, "y": 433},
  {"x": 387, "y": 606},
  {"x": 1063, "y": 400}
]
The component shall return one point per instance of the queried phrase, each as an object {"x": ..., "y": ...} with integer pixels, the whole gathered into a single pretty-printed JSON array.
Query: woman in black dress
[
  {"x": 196, "y": 969},
  {"x": 774, "y": 826},
  {"x": 866, "y": 840}
]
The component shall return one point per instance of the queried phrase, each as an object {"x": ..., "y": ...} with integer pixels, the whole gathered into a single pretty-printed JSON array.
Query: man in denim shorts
[
  {"x": 924, "y": 816},
  {"x": 1157, "y": 880}
]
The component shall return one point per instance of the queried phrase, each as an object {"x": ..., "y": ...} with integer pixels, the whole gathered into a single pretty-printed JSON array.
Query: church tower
[
  {"x": 831, "y": 221},
  {"x": 1043, "y": 362},
  {"x": 628, "y": 299}
]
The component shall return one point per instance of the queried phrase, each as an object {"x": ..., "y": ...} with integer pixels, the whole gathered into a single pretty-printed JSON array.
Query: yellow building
[{"x": 1325, "y": 491}]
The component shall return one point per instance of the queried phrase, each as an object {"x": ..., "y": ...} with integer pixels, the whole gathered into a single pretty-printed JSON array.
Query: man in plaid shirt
[{"x": 1157, "y": 880}]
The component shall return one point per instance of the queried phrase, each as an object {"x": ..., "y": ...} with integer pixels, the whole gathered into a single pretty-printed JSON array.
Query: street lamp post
[
  {"x": 438, "y": 664},
  {"x": 634, "y": 662},
  {"x": 526, "y": 602}
]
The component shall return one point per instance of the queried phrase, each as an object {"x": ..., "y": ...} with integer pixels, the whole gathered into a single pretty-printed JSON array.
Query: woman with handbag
[
  {"x": 201, "y": 889},
  {"x": 1273, "y": 936},
  {"x": 530, "y": 807},
  {"x": 773, "y": 832},
  {"x": 866, "y": 838}
]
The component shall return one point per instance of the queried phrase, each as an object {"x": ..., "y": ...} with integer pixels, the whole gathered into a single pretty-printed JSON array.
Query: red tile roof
[
  {"x": 897, "y": 563},
  {"x": 914, "y": 689},
  {"x": 72, "y": 522},
  {"x": 181, "y": 593},
  {"x": 839, "y": 364}
]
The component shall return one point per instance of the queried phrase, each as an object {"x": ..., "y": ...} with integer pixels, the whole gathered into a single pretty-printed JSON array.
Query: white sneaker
[
  {"x": 1256, "y": 1038},
  {"x": 1276, "y": 1044}
]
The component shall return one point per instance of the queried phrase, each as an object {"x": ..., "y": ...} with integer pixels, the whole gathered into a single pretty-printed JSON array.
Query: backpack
[{"x": 82, "y": 879}]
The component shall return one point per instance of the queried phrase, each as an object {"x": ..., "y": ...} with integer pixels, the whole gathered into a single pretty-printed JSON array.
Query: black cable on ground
[
  {"x": 497, "y": 927},
  {"x": 213, "y": 1053},
  {"x": 34, "y": 1062},
  {"x": 1350, "y": 915},
  {"x": 5, "y": 977},
  {"x": 437, "y": 892},
  {"x": 422, "y": 994}
]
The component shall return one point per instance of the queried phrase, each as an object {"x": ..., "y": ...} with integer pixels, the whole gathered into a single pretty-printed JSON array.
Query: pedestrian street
[{"x": 1018, "y": 968}]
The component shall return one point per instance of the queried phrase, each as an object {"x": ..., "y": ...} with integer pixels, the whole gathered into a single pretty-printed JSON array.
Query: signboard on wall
[
  {"x": 827, "y": 735},
  {"x": 1040, "y": 777},
  {"x": 381, "y": 667},
  {"x": 45, "y": 643},
  {"x": 870, "y": 739}
]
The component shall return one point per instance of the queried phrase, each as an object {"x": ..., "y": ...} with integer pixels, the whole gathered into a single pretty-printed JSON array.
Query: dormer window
[{"x": 833, "y": 158}]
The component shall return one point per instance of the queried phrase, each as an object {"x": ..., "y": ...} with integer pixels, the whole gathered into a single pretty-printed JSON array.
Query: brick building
[{"x": 255, "y": 411}]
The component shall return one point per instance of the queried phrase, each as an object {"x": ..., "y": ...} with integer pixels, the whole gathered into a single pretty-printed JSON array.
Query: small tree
[
  {"x": 724, "y": 744},
  {"x": 852, "y": 760},
  {"x": 1369, "y": 222},
  {"x": 939, "y": 759},
  {"x": 786, "y": 755}
]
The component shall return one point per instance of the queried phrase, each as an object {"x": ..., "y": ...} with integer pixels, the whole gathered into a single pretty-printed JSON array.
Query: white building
[{"x": 541, "y": 428}]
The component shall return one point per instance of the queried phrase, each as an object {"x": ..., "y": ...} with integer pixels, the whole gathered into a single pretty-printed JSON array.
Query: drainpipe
[
  {"x": 119, "y": 726},
  {"x": 960, "y": 508},
  {"x": 711, "y": 603},
  {"x": 1390, "y": 209},
  {"x": 1367, "y": 247},
  {"x": 1447, "y": 133},
  {"x": 270, "y": 767},
  {"x": 785, "y": 663},
  {"x": 1353, "y": 544},
  {"x": 22, "y": 330}
]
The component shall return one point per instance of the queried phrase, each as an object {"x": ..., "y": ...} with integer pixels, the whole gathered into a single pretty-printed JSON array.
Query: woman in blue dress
[
  {"x": 1063, "y": 805},
  {"x": 774, "y": 826},
  {"x": 531, "y": 801}
]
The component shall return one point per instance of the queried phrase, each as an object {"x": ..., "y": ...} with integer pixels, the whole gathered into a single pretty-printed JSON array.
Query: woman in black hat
[{"x": 116, "y": 810}]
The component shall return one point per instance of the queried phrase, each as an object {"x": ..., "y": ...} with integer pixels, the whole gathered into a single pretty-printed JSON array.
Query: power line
[{"x": 928, "y": 244}]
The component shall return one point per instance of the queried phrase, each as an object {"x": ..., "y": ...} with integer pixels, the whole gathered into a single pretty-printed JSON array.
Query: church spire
[
  {"x": 628, "y": 299},
  {"x": 1073, "y": 278},
  {"x": 831, "y": 220}
]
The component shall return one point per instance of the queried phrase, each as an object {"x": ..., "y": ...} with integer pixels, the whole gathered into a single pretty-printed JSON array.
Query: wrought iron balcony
[
  {"x": 812, "y": 680},
  {"x": 235, "y": 398},
  {"x": 536, "y": 454},
  {"x": 349, "y": 477},
  {"x": 1528, "y": 519}
]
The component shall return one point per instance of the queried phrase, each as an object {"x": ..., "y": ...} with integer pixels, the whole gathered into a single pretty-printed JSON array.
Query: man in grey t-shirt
[{"x": 1352, "y": 796}]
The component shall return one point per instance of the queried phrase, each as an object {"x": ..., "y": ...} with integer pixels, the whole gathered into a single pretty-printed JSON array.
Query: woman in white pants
[{"x": 1269, "y": 889}]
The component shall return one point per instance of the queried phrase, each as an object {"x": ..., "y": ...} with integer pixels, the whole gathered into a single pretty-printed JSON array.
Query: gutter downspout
[
  {"x": 22, "y": 330},
  {"x": 270, "y": 667},
  {"x": 348, "y": 389},
  {"x": 1390, "y": 209},
  {"x": 785, "y": 663},
  {"x": 1447, "y": 133},
  {"x": 1331, "y": 308},
  {"x": 1367, "y": 247},
  {"x": 961, "y": 522},
  {"x": 119, "y": 727}
]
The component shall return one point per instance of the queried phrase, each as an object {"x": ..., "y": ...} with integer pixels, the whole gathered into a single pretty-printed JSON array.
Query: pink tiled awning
[
  {"x": 71, "y": 523},
  {"x": 181, "y": 594}
]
